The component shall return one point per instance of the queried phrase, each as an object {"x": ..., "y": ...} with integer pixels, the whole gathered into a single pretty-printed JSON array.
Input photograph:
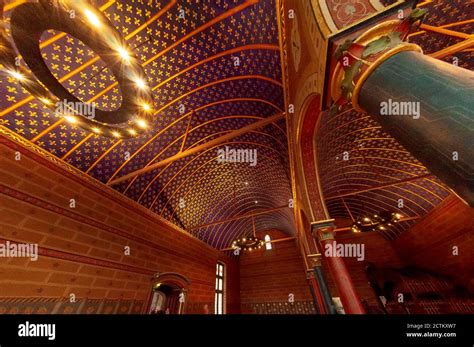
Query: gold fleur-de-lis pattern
[{"x": 214, "y": 67}]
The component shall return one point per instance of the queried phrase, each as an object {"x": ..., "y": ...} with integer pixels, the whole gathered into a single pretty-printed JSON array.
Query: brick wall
[
  {"x": 267, "y": 278},
  {"x": 82, "y": 249},
  {"x": 429, "y": 244}
]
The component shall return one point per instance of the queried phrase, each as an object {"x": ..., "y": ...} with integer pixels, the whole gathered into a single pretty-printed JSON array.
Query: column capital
[
  {"x": 360, "y": 79},
  {"x": 315, "y": 260},
  {"x": 323, "y": 230},
  {"x": 357, "y": 59}
]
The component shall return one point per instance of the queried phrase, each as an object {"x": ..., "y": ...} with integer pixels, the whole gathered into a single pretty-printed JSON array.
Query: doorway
[
  {"x": 168, "y": 294},
  {"x": 166, "y": 299}
]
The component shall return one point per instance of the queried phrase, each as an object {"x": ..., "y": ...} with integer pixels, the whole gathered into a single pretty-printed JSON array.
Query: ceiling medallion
[
  {"x": 248, "y": 243},
  {"x": 81, "y": 20},
  {"x": 376, "y": 222}
]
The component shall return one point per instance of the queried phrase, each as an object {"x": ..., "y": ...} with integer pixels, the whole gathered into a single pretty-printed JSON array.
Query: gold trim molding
[
  {"x": 405, "y": 47},
  {"x": 374, "y": 33}
]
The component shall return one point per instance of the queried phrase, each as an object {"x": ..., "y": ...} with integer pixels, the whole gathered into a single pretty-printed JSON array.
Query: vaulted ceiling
[{"x": 214, "y": 67}]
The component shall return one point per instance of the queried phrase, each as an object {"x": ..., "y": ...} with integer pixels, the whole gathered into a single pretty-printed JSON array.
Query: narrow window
[
  {"x": 268, "y": 242},
  {"x": 219, "y": 297}
]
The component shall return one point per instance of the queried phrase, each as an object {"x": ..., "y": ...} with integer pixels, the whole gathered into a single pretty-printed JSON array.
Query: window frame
[
  {"x": 219, "y": 290},
  {"x": 268, "y": 243}
]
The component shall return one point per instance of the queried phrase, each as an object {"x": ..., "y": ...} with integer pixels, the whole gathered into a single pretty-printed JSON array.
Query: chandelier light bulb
[
  {"x": 45, "y": 101},
  {"x": 92, "y": 18},
  {"x": 71, "y": 119},
  {"x": 140, "y": 83},
  {"x": 17, "y": 75},
  {"x": 146, "y": 107},
  {"x": 124, "y": 54},
  {"x": 141, "y": 123}
]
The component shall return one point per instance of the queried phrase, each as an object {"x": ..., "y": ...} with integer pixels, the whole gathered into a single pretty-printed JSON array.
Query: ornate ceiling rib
[
  {"x": 59, "y": 122},
  {"x": 209, "y": 172},
  {"x": 196, "y": 149},
  {"x": 247, "y": 215},
  {"x": 203, "y": 139},
  {"x": 207, "y": 162}
]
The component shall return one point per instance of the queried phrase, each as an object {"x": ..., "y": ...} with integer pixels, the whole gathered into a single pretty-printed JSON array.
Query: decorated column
[
  {"x": 426, "y": 104},
  {"x": 319, "y": 285},
  {"x": 324, "y": 233}
]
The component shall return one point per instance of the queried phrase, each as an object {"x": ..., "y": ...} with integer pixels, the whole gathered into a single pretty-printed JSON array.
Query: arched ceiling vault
[
  {"x": 190, "y": 65},
  {"x": 200, "y": 94}
]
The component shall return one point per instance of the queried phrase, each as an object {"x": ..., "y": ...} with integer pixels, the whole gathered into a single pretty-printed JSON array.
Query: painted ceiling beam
[{"x": 193, "y": 150}]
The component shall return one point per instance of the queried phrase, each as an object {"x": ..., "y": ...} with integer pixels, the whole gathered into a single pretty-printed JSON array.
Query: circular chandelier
[
  {"x": 248, "y": 243},
  {"x": 83, "y": 21},
  {"x": 375, "y": 222}
]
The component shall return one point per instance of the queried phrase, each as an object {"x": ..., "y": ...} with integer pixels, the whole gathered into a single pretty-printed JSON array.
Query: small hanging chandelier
[
  {"x": 248, "y": 243},
  {"x": 375, "y": 222}
]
